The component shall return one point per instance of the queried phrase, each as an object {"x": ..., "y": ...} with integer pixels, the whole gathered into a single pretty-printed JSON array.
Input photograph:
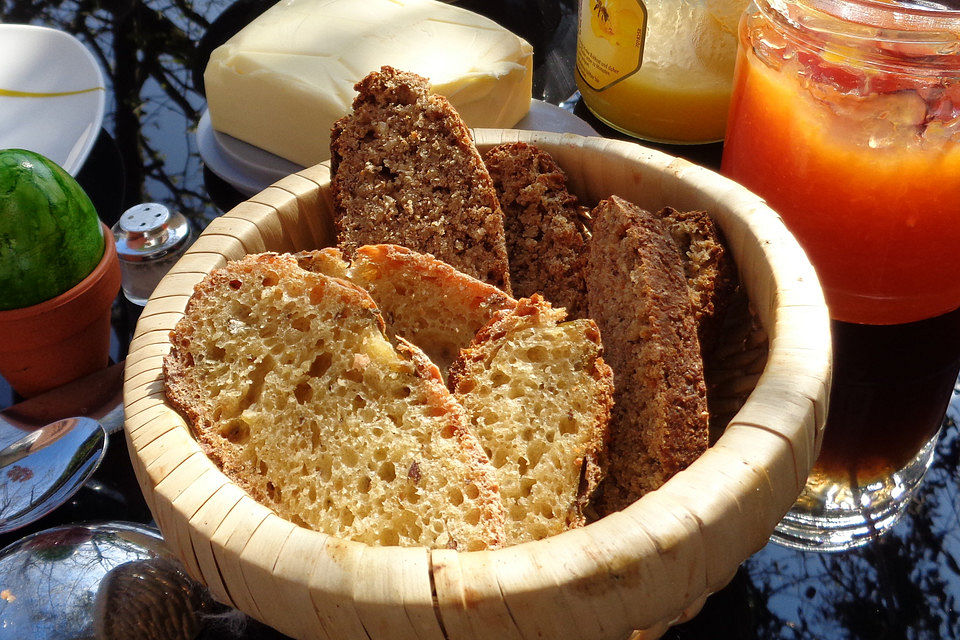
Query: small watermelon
[{"x": 50, "y": 235}]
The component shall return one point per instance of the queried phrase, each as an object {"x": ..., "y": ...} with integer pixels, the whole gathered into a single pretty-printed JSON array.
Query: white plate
[
  {"x": 52, "y": 94},
  {"x": 250, "y": 169}
]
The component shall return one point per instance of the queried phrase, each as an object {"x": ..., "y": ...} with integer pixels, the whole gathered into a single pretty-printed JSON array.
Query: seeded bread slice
[
  {"x": 545, "y": 227},
  {"x": 707, "y": 266},
  {"x": 294, "y": 390},
  {"x": 538, "y": 396},
  {"x": 405, "y": 171},
  {"x": 638, "y": 295}
]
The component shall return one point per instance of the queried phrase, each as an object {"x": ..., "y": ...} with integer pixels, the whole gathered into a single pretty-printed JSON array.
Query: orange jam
[{"x": 851, "y": 131}]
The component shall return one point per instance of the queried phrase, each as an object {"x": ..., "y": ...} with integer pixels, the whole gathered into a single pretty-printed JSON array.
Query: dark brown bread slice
[
  {"x": 294, "y": 390},
  {"x": 638, "y": 295},
  {"x": 725, "y": 343},
  {"x": 546, "y": 234},
  {"x": 708, "y": 267},
  {"x": 538, "y": 396},
  {"x": 422, "y": 299},
  {"x": 405, "y": 171}
]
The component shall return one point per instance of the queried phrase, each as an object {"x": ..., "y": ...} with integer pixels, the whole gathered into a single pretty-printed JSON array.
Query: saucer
[
  {"x": 52, "y": 94},
  {"x": 250, "y": 169}
]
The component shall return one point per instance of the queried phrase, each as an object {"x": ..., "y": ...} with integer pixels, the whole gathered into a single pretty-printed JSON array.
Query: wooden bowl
[{"x": 644, "y": 568}]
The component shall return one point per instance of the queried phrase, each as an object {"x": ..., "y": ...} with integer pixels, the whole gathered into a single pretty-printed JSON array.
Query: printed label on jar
[{"x": 610, "y": 39}]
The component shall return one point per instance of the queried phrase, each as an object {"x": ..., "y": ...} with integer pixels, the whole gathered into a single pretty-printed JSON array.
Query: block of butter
[{"x": 284, "y": 79}]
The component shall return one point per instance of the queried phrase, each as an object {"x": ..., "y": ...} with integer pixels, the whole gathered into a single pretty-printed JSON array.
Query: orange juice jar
[{"x": 845, "y": 117}]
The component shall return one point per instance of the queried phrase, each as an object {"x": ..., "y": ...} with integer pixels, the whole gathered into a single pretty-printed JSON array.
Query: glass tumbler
[{"x": 845, "y": 117}]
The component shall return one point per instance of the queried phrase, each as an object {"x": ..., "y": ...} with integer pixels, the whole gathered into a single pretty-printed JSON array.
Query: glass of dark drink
[{"x": 845, "y": 117}]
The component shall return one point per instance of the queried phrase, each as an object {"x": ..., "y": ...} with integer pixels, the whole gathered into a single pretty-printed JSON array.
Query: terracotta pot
[{"x": 64, "y": 338}]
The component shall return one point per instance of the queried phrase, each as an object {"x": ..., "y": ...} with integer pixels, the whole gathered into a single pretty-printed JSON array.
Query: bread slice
[
  {"x": 545, "y": 227},
  {"x": 422, "y": 299},
  {"x": 405, "y": 171},
  {"x": 707, "y": 266},
  {"x": 538, "y": 395},
  {"x": 638, "y": 295},
  {"x": 294, "y": 390}
]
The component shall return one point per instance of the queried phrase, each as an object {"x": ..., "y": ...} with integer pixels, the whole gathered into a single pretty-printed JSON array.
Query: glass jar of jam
[{"x": 845, "y": 117}]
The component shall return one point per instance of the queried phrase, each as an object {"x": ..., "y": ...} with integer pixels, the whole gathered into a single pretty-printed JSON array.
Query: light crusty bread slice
[
  {"x": 545, "y": 227},
  {"x": 422, "y": 299},
  {"x": 538, "y": 395},
  {"x": 639, "y": 297},
  {"x": 552, "y": 412},
  {"x": 295, "y": 391},
  {"x": 406, "y": 171}
]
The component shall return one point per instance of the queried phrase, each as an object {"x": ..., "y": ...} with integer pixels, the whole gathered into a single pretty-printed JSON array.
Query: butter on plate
[{"x": 284, "y": 79}]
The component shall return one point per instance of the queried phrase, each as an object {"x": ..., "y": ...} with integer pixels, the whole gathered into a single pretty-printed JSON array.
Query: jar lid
[
  {"x": 906, "y": 22},
  {"x": 149, "y": 231}
]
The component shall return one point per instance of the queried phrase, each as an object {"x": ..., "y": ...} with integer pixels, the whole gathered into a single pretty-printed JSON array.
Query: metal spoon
[{"x": 43, "y": 469}]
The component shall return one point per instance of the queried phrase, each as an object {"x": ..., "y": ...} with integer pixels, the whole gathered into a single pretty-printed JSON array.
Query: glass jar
[
  {"x": 661, "y": 71},
  {"x": 845, "y": 117}
]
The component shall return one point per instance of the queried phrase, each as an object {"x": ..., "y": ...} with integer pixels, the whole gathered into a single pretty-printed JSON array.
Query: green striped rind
[{"x": 50, "y": 234}]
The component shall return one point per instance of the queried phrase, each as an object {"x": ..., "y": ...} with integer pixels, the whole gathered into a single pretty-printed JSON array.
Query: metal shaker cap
[{"x": 150, "y": 231}]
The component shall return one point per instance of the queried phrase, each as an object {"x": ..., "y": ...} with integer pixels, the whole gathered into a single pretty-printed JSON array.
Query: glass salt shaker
[{"x": 150, "y": 239}]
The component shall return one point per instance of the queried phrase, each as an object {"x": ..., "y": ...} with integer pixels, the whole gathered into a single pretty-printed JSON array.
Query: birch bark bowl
[{"x": 637, "y": 571}]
